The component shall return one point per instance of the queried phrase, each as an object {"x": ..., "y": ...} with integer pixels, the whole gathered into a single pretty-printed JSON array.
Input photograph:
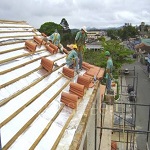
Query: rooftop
[{"x": 31, "y": 88}]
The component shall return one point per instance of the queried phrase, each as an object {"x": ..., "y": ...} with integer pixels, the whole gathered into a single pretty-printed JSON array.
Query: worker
[
  {"x": 80, "y": 40},
  {"x": 109, "y": 69},
  {"x": 72, "y": 57},
  {"x": 55, "y": 39}
]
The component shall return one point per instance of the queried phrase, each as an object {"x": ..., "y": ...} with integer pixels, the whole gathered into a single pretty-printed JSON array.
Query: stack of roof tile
[
  {"x": 54, "y": 47},
  {"x": 77, "y": 89},
  {"x": 70, "y": 100},
  {"x": 43, "y": 34},
  {"x": 50, "y": 49},
  {"x": 47, "y": 64},
  {"x": 93, "y": 71},
  {"x": 30, "y": 45},
  {"x": 84, "y": 80},
  {"x": 68, "y": 72},
  {"x": 38, "y": 40}
]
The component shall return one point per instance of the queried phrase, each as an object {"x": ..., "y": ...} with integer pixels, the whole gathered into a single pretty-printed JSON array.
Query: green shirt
[
  {"x": 72, "y": 54},
  {"x": 80, "y": 38}
]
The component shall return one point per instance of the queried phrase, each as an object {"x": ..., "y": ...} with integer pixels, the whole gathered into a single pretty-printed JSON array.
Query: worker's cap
[
  {"x": 72, "y": 46},
  {"x": 107, "y": 53},
  {"x": 84, "y": 28}
]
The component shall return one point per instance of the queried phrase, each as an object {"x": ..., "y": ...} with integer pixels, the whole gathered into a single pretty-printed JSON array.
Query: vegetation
[
  {"x": 124, "y": 33},
  {"x": 119, "y": 54},
  {"x": 63, "y": 28}
]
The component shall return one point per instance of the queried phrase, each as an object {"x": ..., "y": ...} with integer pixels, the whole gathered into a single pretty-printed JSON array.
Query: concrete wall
[{"x": 89, "y": 141}]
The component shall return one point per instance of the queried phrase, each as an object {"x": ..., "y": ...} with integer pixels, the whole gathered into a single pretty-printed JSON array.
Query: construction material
[
  {"x": 50, "y": 49},
  {"x": 68, "y": 72},
  {"x": 30, "y": 45},
  {"x": 70, "y": 100},
  {"x": 77, "y": 89},
  {"x": 47, "y": 64},
  {"x": 38, "y": 40},
  {"x": 84, "y": 80}
]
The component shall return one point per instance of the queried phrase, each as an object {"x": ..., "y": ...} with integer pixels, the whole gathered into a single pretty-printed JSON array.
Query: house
[{"x": 44, "y": 106}]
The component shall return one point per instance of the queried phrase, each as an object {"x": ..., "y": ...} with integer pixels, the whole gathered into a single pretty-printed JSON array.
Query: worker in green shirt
[
  {"x": 109, "y": 69},
  {"x": 72, "y": 57},
  {"x": 80, "y": 40}
]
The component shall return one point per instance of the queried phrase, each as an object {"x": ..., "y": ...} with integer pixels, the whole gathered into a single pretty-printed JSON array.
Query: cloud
[{"x": 91, "y": 13}]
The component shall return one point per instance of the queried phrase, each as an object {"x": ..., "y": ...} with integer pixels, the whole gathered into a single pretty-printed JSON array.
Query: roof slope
[{"x": 32, "y": 115}]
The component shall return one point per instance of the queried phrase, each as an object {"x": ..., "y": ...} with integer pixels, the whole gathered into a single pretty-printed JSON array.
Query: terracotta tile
[
  {"x": 38, "y": 40},
  {"x": 77, "y": 89},
  {"x": 92, "y": 72},
  {"x": 71, "y": 100},
  {"x": 50, "y": 49},
  {"x": 84, "y": 80},
  {"x": 54, "y": 47},
  {"x": 47, "y": 64},
  {"x": 65, "y": 51},
  {"x": 43, "y": 34},
  {"x": 77, "y": 86},
  {"x": 100, "y": 75},
  {"x": 30, "y": 45},
  {"x": 68, "y": 72}
]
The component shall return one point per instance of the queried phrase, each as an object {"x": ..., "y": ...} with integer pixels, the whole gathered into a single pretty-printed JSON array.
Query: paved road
[{"x": 143, "y": 97}]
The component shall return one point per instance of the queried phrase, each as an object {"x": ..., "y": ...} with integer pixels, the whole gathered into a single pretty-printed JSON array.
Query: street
[{"x": 143, "y": 97}]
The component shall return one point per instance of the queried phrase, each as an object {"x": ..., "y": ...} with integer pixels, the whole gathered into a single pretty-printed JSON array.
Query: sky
[{"x": 78, "y": 13}]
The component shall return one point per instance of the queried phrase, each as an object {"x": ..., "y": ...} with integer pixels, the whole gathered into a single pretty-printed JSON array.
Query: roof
[
  {"x": 33, "y": 113},
  {"x": 146, "y": 42}
]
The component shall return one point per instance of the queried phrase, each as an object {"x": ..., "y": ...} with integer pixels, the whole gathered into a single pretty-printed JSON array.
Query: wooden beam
[
  {"x": 28, "y": 103},
  {"x": 46, "y": 128},
  {"x": 25, "y": 127}
]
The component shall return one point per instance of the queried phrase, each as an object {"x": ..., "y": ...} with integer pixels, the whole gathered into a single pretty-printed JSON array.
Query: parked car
[{"x": 126, "y": 71}]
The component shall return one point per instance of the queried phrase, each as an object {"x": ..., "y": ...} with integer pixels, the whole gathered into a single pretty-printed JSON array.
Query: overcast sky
[{"x": 78, "y": 13}]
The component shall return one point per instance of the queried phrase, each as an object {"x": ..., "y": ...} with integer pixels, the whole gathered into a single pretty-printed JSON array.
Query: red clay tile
[
  {"x": 114, "y": 145},
  {"x": 50, "y": 49},
  {"x": 77, "y": 86},
  {"x": 84, "y": 80},
  {"x": 68, "y": 72},
  {"x": 71, "y": 100},
  {"x": 47, "y": 64},
  {"x": 92, "y": 71},
  {"x": 100, "y": 75},
  {"x": 54, "y": 47},
  {"x": 38, "y": 40},
  {"x": 30, "y": 45},
  {"x": 43, "y": 34},
  {"x": 77, "y": 89}
]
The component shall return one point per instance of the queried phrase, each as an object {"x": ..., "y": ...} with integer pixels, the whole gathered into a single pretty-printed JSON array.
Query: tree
[
  {"x": 128, "y": 32},
  {"x": 119, "y": 54},
  {"x": 49, "y": 27}
]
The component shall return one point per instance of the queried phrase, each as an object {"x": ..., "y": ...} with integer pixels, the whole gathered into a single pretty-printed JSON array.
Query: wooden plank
[
  {"x": 62, "y": 131},
  {"x": 46, "y": 128},
  {"x": 106, "y": 134},
  {"x": 25, "y": 127},
  {"x": 28, "y": 103}
]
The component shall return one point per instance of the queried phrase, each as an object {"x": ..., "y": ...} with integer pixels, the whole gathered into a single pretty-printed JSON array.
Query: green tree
[
  {"x": 119, "y": 54},
  {"x": 128, "y": 32},
  {"x": 49, "y": 27}
]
